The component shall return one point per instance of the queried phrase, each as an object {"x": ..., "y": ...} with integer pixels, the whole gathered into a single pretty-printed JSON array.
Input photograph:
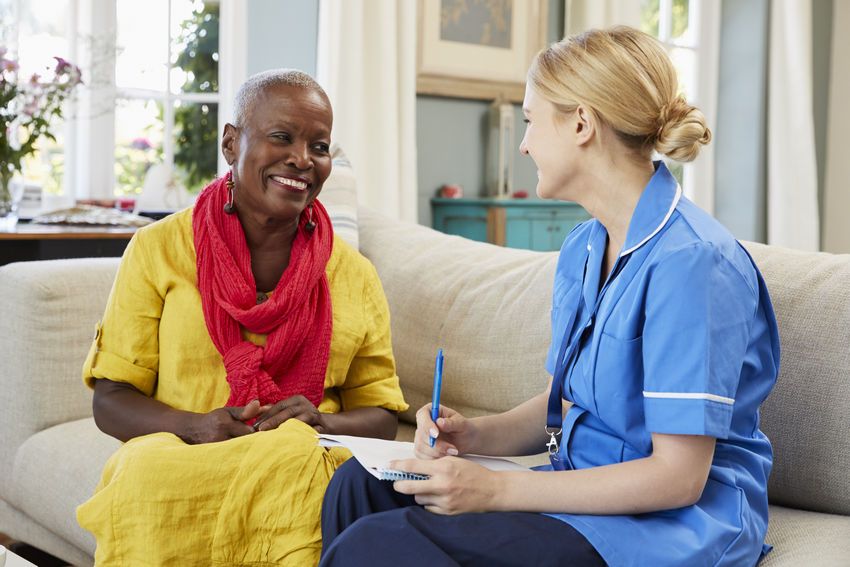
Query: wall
[
  {"x": 282, "y": 33},
  {"x": 451, "y": 138},
  {"x": 822, "y": 21},
  {"x": 836, "y": 235},
  {"x": 740, "y": 152}
]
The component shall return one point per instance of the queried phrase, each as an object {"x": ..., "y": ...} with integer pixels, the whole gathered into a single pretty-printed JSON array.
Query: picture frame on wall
[{"x": 478, "y": 49}]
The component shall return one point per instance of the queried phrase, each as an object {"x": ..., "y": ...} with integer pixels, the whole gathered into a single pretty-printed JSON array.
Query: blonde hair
[{"x": 626, "y": 80}]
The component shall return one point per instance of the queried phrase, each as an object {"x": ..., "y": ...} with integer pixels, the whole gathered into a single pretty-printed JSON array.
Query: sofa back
[
  {"x": 488, "y": 307},
  {"x": 807, "y": 416},
  {"x": 49, "y": 310}
]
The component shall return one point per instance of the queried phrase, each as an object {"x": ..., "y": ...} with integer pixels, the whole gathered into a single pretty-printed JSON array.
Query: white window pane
[
  {"x": 649, "y": 13},
  {"x": 142, "y": 61},
  {"x": 682, "y": 32},
  {"x": 685, "y": 61},
  {"x": 8, "y": 25},
  {"x": 194, "y": 50},
  {"x": 40, "y": 33},
  {"x": 196, "y": 143},
  {"x": 139, "y": 132}
]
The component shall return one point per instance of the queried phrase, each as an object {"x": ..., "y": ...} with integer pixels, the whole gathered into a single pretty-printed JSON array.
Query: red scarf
[{"x": 297, "y": 317}]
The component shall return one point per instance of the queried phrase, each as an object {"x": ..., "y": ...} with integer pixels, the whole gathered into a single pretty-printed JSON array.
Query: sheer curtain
[
  {"x": 792, "y": 185},
  {"x": 367, "y": 65}
]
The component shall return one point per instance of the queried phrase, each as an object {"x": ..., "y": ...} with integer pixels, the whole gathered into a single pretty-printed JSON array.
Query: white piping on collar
[{"x": 660, "y": 226}]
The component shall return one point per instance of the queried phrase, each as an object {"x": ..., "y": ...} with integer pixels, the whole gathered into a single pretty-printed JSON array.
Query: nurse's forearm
[
  {"x": 519, "y": 431},
  {"x": 658, "y": 482}
]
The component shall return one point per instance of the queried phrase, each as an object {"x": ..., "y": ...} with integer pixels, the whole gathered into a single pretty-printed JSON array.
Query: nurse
[{"x": 664, "y": 343}]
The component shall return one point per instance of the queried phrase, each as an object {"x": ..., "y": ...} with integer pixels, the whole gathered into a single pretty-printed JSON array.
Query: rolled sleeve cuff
[
  {"x": 684, "y": 416},
  {"x": 112, "y": 367},
  {"x": 384, "y": 393}
]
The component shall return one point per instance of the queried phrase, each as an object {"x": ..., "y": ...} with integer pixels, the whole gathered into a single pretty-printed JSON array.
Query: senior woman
[{"x": 235, "y": 331}]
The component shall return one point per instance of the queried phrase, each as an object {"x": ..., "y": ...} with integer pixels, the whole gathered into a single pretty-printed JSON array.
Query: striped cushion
[{"x": 339, "y": 196}]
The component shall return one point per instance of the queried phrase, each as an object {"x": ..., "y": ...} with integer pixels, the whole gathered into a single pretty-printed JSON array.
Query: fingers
[
  {"x": 250, "y": 411},
  {"x": 296, "y": 407},
  {"x": 426, "y": 428}
]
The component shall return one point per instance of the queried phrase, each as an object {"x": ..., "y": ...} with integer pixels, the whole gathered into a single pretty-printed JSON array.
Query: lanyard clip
[{"x": 552, "y": 445}]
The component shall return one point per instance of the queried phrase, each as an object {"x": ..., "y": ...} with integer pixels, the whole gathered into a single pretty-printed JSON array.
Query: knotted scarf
[{"x": 297, "y": 318}]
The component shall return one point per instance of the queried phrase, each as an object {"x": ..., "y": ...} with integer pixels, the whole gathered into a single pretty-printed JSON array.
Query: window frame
[
  {"x": 89, "y": 126},
  {"x": 704, "y": 16}
]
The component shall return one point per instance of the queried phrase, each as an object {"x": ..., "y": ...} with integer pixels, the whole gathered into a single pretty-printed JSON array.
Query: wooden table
[{"x": 50, "y": 242}]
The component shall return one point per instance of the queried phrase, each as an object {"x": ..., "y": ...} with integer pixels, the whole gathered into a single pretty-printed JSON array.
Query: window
[
  {"x": 151, "y": 96},
  {"x": 689, "y": 30},
  {"x": 34, "y": 31},
  {"x": 166, "y": 95}
]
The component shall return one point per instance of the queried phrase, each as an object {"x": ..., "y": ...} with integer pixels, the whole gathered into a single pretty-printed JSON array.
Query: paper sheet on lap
[{"x": 376, "y": 454}]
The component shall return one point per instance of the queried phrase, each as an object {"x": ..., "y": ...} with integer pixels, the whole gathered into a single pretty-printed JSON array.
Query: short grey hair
[{"x": 256, "y": 85}]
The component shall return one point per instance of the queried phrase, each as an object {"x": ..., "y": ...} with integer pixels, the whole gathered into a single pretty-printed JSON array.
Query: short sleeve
[
  {"x": 126, "y": 343},
  {"x": 699, "y": 313},
  {"x": 371, "y": 380}
]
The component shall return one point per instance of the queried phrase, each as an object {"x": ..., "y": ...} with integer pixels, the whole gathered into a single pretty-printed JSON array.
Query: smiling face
[
  {"x": 552, "y": 139},
  {"x": 280, "y": 154}
]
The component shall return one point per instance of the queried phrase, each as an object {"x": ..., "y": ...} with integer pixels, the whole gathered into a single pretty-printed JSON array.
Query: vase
[{"x": 10, "y": 198}]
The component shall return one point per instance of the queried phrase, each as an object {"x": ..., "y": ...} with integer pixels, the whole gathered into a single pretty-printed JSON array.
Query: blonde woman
[{"x": 663, "y": 340}]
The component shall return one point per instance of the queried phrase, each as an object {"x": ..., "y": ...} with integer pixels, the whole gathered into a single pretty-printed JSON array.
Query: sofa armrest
[{"x": 48, "y": 312}]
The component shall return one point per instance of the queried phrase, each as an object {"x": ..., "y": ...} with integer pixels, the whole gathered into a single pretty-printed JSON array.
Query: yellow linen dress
[{"x": 254, "y": 500}]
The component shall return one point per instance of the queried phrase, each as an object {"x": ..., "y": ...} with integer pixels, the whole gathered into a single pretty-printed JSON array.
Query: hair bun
[{"x": 681, "y": 130}]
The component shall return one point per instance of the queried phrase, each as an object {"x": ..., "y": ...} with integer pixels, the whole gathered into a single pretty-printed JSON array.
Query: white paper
[{"x": 376, "y": 454}]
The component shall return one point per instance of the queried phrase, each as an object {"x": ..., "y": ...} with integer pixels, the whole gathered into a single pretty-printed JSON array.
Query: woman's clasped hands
[
  {"x": 233, "y": 421},
  {"x": 455, "y": 485}
]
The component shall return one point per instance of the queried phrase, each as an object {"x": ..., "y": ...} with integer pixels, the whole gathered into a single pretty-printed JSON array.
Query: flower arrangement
[{"x": 27, "y": 110}]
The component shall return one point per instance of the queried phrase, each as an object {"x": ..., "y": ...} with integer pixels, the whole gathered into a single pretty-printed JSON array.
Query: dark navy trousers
[{"x": 366, "y": 522}]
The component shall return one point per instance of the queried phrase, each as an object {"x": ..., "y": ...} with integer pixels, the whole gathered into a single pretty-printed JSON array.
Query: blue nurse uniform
[{"x": 680, "y": 339}]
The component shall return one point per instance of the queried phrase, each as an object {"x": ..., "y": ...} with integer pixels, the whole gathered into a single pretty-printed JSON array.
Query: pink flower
[
  {"x": 8, "y": 65},
  {"x": 61, "y": 65},
  {"x": 141, "y": 144},
  {"x": 34, "y": 79}
]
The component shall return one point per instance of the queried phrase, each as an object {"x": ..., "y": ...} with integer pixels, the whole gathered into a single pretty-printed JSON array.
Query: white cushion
[
  {"x": 58, "y": 469},
  {"x": 339, "y": 196}
]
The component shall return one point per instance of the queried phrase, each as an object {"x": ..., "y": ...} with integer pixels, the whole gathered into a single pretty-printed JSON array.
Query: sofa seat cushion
[
  {"x": 55, "y": 471},
  {"x": 807, "y": 538}
]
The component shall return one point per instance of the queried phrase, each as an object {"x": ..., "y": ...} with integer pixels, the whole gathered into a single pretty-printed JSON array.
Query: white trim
[
  {"x": 232, "y": 62},
  {"x": 660, "y": 226},
  {"x": 700, "y": 174},
  {"x": 689, "y": 396}
]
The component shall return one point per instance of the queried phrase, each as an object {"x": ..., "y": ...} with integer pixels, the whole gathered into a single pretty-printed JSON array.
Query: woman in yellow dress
[{"x": 235, "y": 331}]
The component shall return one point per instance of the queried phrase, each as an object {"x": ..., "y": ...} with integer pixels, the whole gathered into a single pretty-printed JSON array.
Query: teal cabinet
[{"x": 515, "y": 223}]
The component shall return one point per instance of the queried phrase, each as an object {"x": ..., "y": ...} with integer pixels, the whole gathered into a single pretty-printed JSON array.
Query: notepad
[{"x": 376, "y": 454}]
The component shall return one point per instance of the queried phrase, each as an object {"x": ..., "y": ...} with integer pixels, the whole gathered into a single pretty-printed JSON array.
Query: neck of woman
[{"x": 612, "y": 186}]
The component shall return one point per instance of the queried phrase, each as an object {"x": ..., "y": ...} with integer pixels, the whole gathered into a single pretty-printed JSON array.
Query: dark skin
[{"x": 279, "y": 156}]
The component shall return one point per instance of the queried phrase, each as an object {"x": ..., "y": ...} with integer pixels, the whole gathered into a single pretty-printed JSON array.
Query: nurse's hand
[
  {"x": 454, "y": 433},
  {"x": 455, "y": 486}
]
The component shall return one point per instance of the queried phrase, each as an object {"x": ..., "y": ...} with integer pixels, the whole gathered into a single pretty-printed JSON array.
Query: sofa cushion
[
  {"x": 339, "y": 196},
  {"x": 807, "y": 538},
  {"x": 806, "y": 417},
  {"x": 486, "y": 306},
  {"x": 49, "y": 313},
  {"x": 58, "y": 469}
]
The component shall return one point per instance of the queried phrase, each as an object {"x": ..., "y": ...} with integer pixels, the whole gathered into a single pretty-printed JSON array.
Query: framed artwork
[{"x": 478, "y": 49}]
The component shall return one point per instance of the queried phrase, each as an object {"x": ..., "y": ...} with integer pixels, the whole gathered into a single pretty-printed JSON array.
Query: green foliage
[
  {"x": 197, "y": 124},
  {"x": 650, "y": 13}
]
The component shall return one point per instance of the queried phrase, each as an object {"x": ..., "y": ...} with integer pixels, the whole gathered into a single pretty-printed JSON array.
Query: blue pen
[{"x": 438, "y": 385}]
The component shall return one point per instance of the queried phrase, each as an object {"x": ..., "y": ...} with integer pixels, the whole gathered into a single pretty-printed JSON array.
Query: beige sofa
[{"x": 488, "y": 307}]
